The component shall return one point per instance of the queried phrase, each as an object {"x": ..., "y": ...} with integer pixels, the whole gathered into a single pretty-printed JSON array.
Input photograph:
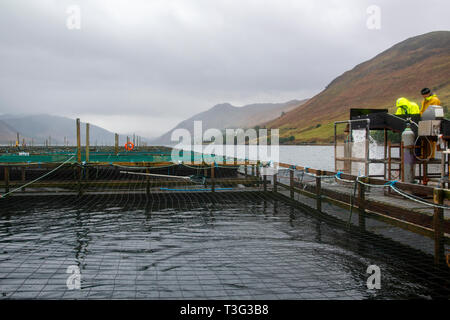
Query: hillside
[
  {"x": 402, "y": 70},
  {"x": 41, "y": 127},
  {"x": 223, "y": 116}
]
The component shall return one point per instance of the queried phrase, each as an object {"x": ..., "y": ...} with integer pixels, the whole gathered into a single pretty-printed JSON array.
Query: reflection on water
[{"x": 240, "y": 246}]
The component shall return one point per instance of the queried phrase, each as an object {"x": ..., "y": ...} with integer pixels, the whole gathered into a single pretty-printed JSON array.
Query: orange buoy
[{"x": 129, "y": 146}]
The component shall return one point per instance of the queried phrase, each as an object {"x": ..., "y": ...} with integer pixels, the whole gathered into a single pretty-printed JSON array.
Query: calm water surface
[{"x": 237, "y": 246}]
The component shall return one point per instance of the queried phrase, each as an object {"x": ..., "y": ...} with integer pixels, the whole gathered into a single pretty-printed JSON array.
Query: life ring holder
[{"x": 129, "y": 146}]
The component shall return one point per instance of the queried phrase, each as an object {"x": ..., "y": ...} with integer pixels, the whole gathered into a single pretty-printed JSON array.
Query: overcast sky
[{"x": 145, "y": 65}]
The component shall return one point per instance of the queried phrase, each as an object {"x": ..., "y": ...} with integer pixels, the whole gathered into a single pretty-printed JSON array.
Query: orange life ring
[{"x": 129, "y": 146}]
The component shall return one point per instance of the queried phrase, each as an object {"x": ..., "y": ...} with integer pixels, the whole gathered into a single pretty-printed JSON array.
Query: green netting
[{"x": 55, "y": 157}]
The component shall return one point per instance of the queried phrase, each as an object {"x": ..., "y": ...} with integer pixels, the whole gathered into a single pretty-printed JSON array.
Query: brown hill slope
[{"x": 402, "y": 70}]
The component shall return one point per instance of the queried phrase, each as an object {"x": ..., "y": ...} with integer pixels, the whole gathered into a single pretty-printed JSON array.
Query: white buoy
[{"x": 408, "y": 140}]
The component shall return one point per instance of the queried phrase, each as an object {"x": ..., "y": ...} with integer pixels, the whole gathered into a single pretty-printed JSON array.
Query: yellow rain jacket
[
  {"x": 432, "y": 100},
  {"x": 404, "y": 106}
]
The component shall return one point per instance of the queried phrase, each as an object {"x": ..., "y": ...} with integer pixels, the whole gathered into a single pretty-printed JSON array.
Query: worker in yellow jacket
[
  {"x": 404, "y": 106},
  {"x": 429, "y": 99}
]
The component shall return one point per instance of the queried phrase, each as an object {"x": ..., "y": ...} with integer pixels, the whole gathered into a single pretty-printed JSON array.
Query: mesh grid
[{"x": 197, "y": 245}]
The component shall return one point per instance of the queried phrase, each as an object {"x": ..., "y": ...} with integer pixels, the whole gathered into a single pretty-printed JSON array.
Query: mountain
[
  {"x": 223, "y": 116},
  {"x": 42, "y": 126},
  {"x": 6, "y": 132},
  {"x": 401, "y": 71}
]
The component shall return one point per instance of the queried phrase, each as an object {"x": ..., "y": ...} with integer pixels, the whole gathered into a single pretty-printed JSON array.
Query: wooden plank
[
  {"x": 87, "y": 142},
  {"x": 116, "y": 143},
  {"x": 78, "y": 141}
]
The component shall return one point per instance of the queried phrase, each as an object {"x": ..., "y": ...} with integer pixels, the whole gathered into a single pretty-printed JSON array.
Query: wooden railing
[{"x": 433, "y": 226}]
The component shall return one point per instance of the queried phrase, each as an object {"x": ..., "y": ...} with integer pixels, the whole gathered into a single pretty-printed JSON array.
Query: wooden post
[
  {"x": 253, "y": 169},
  {"x": 78, "y": 141},
  {"x": 319, "y": 190},
  {"x": 257, "y": 169},
  {"x": 116, "y": 143},
  {"x": 335, "y": 148},
  {"x": 6, "y": 179},
  {"x": 385, "y": 153},
  {"x": 275, "y": 183},
  {"x": 389, "y": 177},
  {"x": 291, "y": 180},
  {"x": 367, "y": 156},
  {"x": 438, "y": 221},
  {"x": 362, "y": 204},
  {"x": 448, "y": 166},
  {"x": 265, "y": 182},
  {"x": 245, "y": 168},
  {"x": 213, "y": 182},
  {"x": 79, "y": 154},
  {"x": 87, "y": 142},
  {"x": 442, "y": 183},
  {"x": 18, "y": 139},
  {"x": 86, "y": 169}
]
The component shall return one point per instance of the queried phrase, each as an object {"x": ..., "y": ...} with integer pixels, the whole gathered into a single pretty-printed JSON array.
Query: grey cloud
[{"x": 168, "y": 59}]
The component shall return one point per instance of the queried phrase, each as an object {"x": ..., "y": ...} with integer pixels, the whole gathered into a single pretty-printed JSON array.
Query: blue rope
[
  {"x": 206, "y": 189},
  {"x": 339, "y": 174},
  {"x": 390, "y": 183}
]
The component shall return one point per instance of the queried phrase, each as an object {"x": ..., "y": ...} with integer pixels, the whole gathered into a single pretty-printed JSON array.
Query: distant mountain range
[
  {"x": 44, "y": 127},
  {"x": 56, "y": 129},
  {"x": 226, "y": 116},
  {"x": 401, "y": 71}
]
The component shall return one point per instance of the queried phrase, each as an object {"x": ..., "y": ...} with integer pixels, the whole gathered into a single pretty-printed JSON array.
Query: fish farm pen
[{"x": 139, "y": 226}]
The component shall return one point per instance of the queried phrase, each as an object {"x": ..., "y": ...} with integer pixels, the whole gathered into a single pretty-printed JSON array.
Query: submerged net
[{"x": 178, "y": 240}]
